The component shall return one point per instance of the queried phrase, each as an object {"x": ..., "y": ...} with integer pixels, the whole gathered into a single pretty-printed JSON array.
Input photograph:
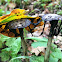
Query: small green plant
[
  {"x": 55, "y": 54},
  {"x": 11, "y": 47}
]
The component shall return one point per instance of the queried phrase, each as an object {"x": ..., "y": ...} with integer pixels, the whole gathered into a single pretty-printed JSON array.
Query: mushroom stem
[
  {"x": 23, "y": 44},
  {"x": 47, "y": 54}
]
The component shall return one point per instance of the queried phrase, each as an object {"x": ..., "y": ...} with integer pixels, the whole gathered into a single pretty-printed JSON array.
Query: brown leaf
[{"x": 38, "y": 50}]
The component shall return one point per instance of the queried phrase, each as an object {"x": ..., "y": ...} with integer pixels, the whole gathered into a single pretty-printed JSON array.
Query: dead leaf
[{"x": 38, "y": 50}]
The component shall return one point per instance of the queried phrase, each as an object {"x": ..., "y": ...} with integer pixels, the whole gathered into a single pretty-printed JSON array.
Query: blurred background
[
  {"x": 11, "y": 47},
  {"x": 34, "y": 6}
]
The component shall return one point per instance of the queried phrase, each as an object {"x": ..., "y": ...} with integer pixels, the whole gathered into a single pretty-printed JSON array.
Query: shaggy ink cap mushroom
[
  {"x": 51, "y": 17},
  {"x": 21, "y": 23}
]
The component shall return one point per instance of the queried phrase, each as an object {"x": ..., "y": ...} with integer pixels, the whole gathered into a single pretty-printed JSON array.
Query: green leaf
[
  {"x": 50, "y": 5},
  {"x": 19, "y": 58},
  {"x": 45, "y": 1},
  {"x": 52, "y": 59},
  {"x": 53, "y": 45},
  {"x": 59, "y": 12},
  {"x": 38, "y": 39},
  {"x": 1, "y": 12},
  {"x": 60, "y": 60},
  {"x": 7, "y": 0},
  {"x": 42, "y": 42},
  {"x": 16, "y": 60},
  {"x": 43, "y": 5},
  {"x": 5, "y": 50},
  {"x": 13, "y": 46},
  {"x": 4, "y": 56},
  {"x": 57, "y": 50},
  {"x": 8, "y": 12},
  {"x": 1, "y": 44},
  {"x": 53, "y": 49},
  {"x": 57, "y": 55},
  {"x": 36, "y": 44},
  {"x": 3, "y": 38},
  {"x": 16, "y": 46},
  {"x": 37, "y": 59},
  {"x": 10, "y": 41},
  {"x": 25, "y": 0}
]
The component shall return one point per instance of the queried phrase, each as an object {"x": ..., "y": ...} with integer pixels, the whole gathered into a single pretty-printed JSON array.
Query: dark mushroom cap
[{"x": 51, "y": 17}]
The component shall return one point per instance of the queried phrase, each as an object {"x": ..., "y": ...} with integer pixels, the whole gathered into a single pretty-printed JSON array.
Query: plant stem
[{"x": 47, "y": 54}]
